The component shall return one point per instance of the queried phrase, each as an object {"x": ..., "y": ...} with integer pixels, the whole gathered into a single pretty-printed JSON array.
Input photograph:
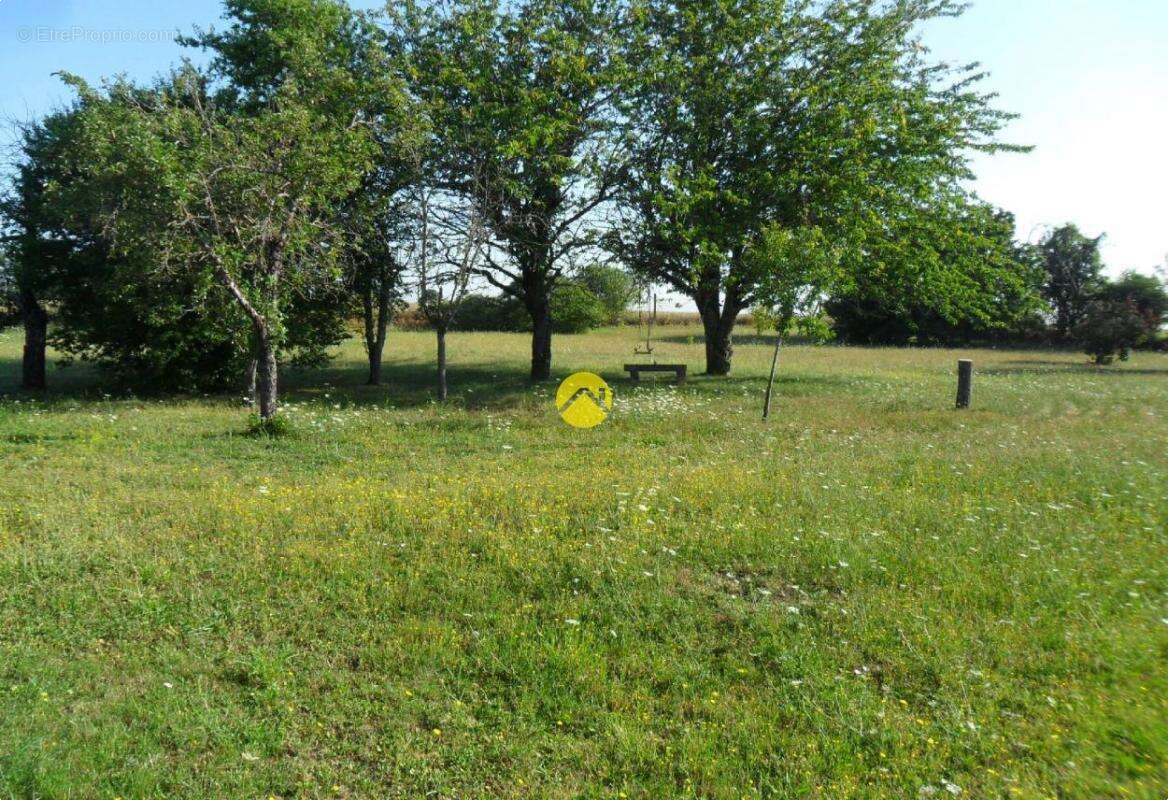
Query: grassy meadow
[{"x": 871, "y": 596}]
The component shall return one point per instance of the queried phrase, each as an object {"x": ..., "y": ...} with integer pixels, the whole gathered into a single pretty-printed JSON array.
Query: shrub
[
  {"x": 480, "y": 312},
  {"x": 614, "y": 288},
  {"x": 410, "y": 318},
  {"x": 1109, "y": 329},
  {"x": 575, "y": 309},
  {"x": 598, "y": 296},
  {"x": 813, "y": 328}
]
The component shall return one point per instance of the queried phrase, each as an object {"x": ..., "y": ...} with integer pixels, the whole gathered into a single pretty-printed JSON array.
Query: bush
[
  {"x": 575, "y": 309},
  {"x": 614, "y": 288},
  {"x": 598, "y": 298},
  {"x": 480, "y": 312},
  {"x": 1109, "y": 329},
  {"x": 815, "y": 328},
  {"x": 410, "y": 318}
]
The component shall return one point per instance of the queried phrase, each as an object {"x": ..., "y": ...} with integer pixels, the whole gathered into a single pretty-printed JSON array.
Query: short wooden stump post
[{"x": 964, "y": 383}]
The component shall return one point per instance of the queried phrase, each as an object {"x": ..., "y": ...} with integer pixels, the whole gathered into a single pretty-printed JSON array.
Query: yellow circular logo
[{"x": 584, "y": 400}]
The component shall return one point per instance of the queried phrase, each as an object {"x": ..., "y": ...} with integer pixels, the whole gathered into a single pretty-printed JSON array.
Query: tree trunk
[
  {"x": 541, "y": 339},
  {"x": 718, "y": 319},
  {"x": 249, "y": 380},
  {"x": 376, "y": 329},
  {"x": 36, "y": 337},
  {"x": 442, "y": 389},
  {"x": 1063, "y": 319},
  {"x": 375, "y": 365},
  {"x": 267, "y": 378},
  {"x": 719, "y": 347}
]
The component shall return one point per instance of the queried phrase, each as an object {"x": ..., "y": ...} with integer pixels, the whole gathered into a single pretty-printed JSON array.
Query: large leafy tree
[
  {"x": 442, "y": 234},
  {"x": 821, "y": 117},
  {"x": 951, "y": 273},
  {"x": 155, "y": 323},
  {"x": 526, "y": 94},
  {"x": 1074, "y": 268},
  {"x": 137, "y": 326}
]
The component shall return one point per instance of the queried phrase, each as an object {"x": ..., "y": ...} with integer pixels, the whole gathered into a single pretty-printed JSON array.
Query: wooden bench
[{"x": 635, "y": 370}]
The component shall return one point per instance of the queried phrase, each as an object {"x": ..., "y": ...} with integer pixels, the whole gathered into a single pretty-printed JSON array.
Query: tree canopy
[
  {"x": 1074, "y": 269},
  {"x": 952, "y": 273}
]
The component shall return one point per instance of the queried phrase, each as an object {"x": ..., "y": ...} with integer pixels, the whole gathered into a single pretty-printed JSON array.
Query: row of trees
[
  {"x": 1107, "y": 317},
  {"x": 1009, "y": 291},
  {"x": 220, "y": 220}
]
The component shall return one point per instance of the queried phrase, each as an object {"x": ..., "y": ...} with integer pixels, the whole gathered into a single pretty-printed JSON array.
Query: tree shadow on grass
[
  {"x": 746, "y": 339},
  {"x": 409, "y": 385},
  {"x": 73, "y": 383},
  {"x": 1034, "y": 366},
  {"x": 405, "y": 384},
  {"x": 505, "y": 386}
]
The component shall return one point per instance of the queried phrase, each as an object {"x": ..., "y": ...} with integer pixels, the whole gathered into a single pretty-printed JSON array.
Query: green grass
[{"x": 872, "y": 596}]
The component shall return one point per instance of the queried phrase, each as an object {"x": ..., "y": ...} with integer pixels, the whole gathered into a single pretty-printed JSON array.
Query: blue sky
[{"x": 1089, "y": 77}]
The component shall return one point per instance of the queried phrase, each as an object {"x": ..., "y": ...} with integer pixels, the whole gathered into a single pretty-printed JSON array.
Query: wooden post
[{"x": 964, "y": 383}]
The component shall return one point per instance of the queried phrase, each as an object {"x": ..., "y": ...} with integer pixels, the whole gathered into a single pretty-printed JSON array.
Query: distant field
[{"x": 873, "y": 596}]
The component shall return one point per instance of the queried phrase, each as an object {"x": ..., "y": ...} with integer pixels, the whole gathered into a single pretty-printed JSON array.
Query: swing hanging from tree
[{"x": 646, "y": 321}]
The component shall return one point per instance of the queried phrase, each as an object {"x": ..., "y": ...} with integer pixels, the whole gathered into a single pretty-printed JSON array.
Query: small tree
[
  {"x": 1109, "y": 328},
  {"x": 246, "y": 202},
  {"x": 372, "y": 221},
  {"x": 613, "y": 288},
  {"x": 450, "y": 246},
  {"x": 793, "y": 270},
  {"x": 1073, "y": 273}
]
